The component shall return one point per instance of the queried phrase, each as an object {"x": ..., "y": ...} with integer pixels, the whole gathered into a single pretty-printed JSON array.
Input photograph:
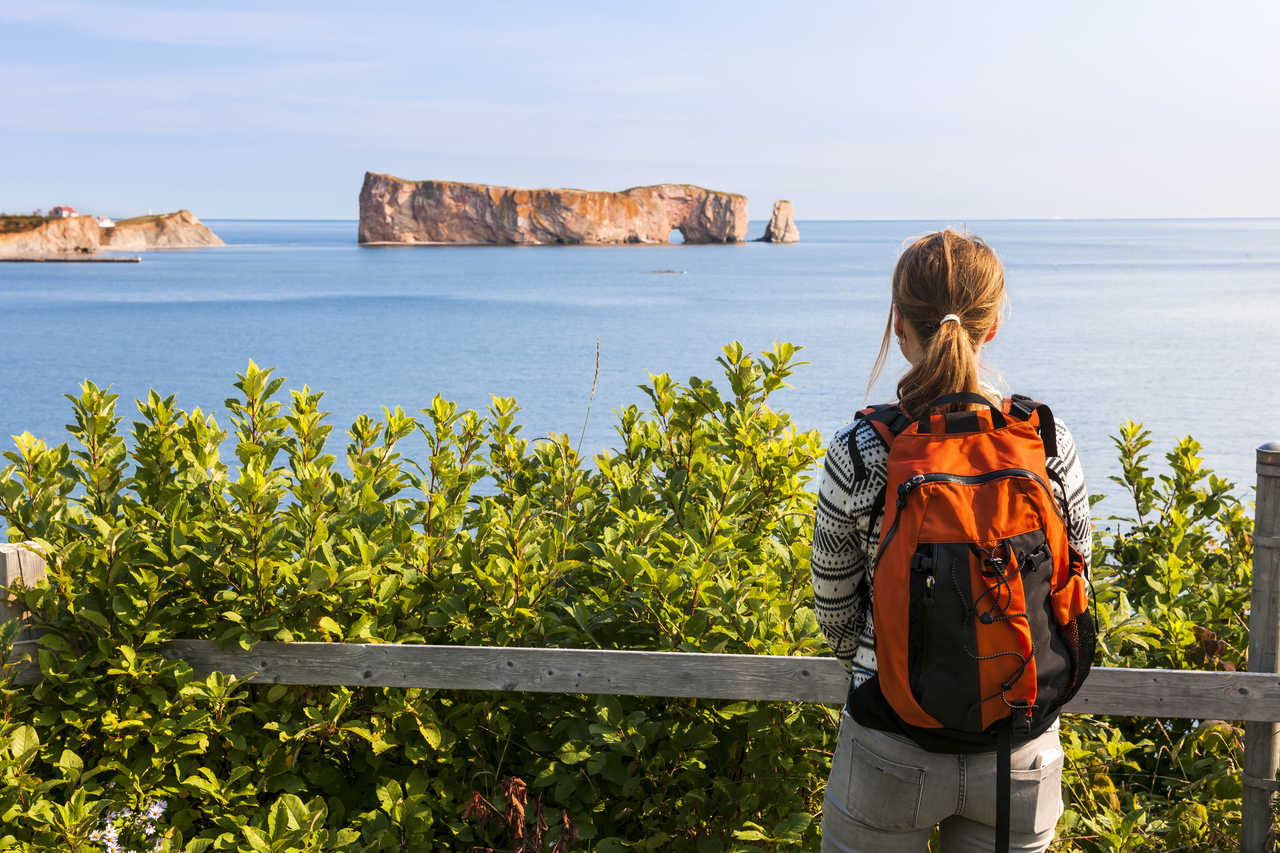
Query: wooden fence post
[
  {"x": 17, "y": 562},
  {"x": 1261, "y": 747}
]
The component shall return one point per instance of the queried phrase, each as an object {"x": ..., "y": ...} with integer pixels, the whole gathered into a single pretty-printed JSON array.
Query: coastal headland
[
  {"x": 82, "y": 235},
  {"x": 394, "y": 211}
]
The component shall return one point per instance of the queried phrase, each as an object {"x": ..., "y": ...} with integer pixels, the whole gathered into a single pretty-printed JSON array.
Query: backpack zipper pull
[
  {"x": 928, "y": 589},
  {"x": 907, "y": 485}
]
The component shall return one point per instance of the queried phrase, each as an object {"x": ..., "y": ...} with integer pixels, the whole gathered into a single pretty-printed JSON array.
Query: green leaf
[
  {"x": 793, "y": 827},
  {"x": 430, "y": 733},
  {"x": 751, "y": 835},
  {"x": 611, "y": 845},
  {"x": 389, "y": 795},
  {"x": 95, "y": 617},
  {"x": 69, "y": 763},
  {"x": 299, "y": 815},
  {"x": 23, "y": 743},
  {"x": 571, "y": 754},
  {"x": 286, "y": 816},
  {"x": 257, "y": 839}
]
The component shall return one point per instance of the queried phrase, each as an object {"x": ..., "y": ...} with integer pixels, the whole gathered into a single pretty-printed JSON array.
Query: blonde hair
[{"x": 939, "y": 274}]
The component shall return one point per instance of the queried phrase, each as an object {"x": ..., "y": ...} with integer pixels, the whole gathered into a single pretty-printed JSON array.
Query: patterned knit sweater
[{"x": 846, "y": 534}]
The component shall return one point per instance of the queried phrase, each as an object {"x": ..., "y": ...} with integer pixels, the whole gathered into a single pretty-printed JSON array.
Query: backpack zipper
[{"x": 918, "y": 480}]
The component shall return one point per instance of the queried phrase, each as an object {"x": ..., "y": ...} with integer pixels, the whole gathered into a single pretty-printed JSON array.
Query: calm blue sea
[{"x": 1174, "y": 323}]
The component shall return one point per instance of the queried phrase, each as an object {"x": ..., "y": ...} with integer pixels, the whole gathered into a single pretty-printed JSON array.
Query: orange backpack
[{"x": 980, "y": 603}]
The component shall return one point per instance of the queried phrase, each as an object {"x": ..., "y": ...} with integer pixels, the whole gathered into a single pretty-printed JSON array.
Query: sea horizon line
[{"x": 886, "y": 220}]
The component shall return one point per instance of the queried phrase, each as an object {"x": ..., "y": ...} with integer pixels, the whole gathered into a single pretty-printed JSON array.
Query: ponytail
[
  {"x": 948, "y": 364},
  {"x": 941, "y": 275}
]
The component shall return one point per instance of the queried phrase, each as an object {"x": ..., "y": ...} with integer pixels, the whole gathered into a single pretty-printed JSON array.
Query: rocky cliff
[
  {"x": 782, "y": 225},
  {"x": 54, "y": 236},
  {"x": 393, "y": 210},
  {"x": 179, "y": 230}
]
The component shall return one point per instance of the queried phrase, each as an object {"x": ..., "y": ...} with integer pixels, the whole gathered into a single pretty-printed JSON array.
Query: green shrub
[
  {"x": 693, "y": 535},
  {"x": 1172, "y": 582}
]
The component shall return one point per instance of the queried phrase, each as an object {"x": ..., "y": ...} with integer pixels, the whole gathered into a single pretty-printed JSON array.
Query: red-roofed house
[{"x": 62, "y": 212}]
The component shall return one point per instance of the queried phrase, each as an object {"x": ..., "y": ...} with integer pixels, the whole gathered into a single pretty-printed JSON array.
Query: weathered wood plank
[
  {"x": 711, "y": 676},
  {"x": 1168, "y": 693},
  {"x": 1261, "y": 747},
  {"x": 1121, "y": 692},
  {"x": 17, "y": 562}
]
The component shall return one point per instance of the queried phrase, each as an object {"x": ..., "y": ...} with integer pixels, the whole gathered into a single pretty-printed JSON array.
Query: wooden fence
[{"x": 1250, "y": 696}]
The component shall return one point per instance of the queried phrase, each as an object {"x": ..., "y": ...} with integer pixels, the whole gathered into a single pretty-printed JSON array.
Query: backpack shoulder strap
[
  {"x": 881, "y": 420},
  {"x": 888, "y": 421},
  {"x": 1024, "y": 408}
]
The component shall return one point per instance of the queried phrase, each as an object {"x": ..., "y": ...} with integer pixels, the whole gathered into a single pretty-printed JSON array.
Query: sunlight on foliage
[
  {"x": 1172, "y": 592},
  {"x": 692, "y": 535}
]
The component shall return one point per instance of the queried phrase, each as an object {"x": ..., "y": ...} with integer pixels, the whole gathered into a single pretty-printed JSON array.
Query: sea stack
[
  {"x": 394, "y": 211},
  {"x": 782, "y": 225}
]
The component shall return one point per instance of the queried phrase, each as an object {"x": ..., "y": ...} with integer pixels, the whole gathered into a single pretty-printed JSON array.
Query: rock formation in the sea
[
  {"x": 406, "y": 212},
  {"x": 782, "y": 225},
  {"x": 179, "y": 230}
]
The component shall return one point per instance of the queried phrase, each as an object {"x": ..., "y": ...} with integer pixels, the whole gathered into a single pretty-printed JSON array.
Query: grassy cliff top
[
  {"x": 150, "y": 217},
  {"x": 546, "y": 189},
  {"x": 13, "y": 223}
]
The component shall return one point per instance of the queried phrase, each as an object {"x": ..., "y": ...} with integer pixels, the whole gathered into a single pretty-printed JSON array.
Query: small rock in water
[
  {"x": 782, "y": 225},
  {"x": 666, "y": 272}
]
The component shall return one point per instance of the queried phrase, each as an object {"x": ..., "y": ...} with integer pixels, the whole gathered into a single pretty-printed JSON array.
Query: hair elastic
[{"x": 949, "y": 317}]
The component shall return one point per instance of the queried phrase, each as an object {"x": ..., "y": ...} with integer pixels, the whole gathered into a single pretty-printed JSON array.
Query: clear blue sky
[{"x": 937, "y": 110}]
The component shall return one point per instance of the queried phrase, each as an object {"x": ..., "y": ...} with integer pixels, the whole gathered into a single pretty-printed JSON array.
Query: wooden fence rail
[
  {"x": 696, "y": 675},
  {"x": 1250, "y": 696}
]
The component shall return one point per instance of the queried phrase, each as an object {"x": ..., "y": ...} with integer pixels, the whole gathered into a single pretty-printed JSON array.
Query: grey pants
[{"x": 885, "y": 795}]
